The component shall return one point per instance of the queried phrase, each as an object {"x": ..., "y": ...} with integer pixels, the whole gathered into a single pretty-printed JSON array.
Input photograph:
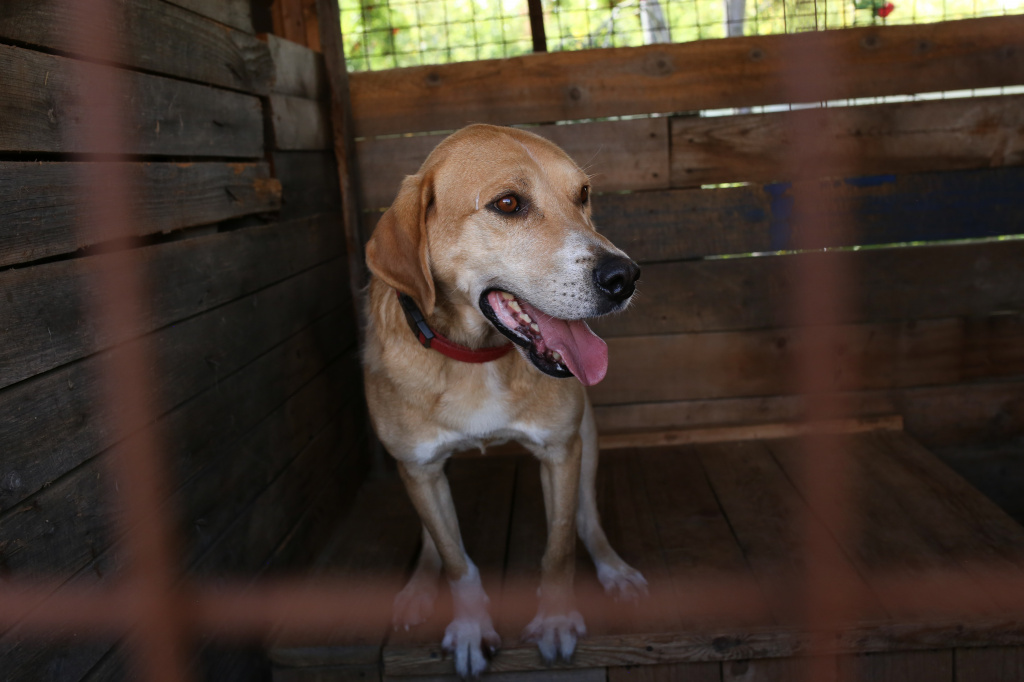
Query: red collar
[{"x": 432, "y": 339}]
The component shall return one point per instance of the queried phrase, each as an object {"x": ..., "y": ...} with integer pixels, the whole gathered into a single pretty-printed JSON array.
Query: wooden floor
[{"x": 908, "y": 560}]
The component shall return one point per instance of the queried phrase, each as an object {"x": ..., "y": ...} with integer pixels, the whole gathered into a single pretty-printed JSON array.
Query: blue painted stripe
[{"x": 780, "y": 225}]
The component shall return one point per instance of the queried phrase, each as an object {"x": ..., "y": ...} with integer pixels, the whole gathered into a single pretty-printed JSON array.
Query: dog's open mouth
[{"x": 561, "y": 348}]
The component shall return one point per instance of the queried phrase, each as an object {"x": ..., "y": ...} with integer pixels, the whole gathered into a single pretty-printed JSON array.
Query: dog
[{"x": 491, "y": 247}]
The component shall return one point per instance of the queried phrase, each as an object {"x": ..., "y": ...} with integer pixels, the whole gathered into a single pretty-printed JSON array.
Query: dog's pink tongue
[{"x": 582, "y": 351}]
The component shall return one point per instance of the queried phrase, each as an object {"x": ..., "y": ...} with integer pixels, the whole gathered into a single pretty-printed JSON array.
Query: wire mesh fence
[{"x": 383, "y": 34}]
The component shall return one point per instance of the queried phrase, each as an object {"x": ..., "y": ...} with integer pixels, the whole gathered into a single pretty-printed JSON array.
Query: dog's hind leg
[
  {"x": 415, "y": 603},
  {"x": 470, "y": 637},
  {"x": 618, "y": 578}
]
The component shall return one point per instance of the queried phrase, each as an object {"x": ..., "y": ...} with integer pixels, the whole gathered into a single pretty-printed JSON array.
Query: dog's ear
[{"x": 397, "y": 251}]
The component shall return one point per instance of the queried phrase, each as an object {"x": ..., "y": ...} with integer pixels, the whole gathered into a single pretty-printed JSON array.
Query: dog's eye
[
  {"x": 584, "y": 194},
  {"x": 507, "y": 204}
]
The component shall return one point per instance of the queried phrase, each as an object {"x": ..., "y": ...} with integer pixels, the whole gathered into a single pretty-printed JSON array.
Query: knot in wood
[{"x": 658, "y": 65}]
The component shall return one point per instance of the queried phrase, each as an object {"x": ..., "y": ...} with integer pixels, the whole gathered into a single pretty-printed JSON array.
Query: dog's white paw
[
  {"x": 471, "y": 642},
  {"x": 622, "y": 582},
  {"x": 414, "y": 604},
  {"x": 555, "y": 635}
]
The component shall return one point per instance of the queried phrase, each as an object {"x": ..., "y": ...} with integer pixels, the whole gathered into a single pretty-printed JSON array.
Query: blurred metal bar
[
  {"x": 821, "y": 294},
  {"x": 143, "y": 533}
]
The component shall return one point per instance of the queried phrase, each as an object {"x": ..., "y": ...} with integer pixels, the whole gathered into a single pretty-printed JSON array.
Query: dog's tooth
[
  {"x": 514, "y": 305},
  {"x": 556, "y": 356},
  {"x": 507, "y": 296},
  {"x": 534, "y": 327},
  {"x": 525, "y": 318}
]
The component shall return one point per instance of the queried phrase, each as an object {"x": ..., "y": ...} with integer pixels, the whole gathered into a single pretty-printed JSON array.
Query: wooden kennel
[{"x": 255, "y": 168}]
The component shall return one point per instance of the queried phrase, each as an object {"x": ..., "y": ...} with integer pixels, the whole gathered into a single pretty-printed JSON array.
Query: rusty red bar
[
  {"x": 820, "y": 299},
  {"x": 159, "y": 611},
  {"x": 147, "y": 597}
]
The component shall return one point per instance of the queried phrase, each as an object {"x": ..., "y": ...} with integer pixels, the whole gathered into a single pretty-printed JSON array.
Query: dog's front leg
[
  {"x": 470, "y": 637},
  {"x": 558, "y": 625}
]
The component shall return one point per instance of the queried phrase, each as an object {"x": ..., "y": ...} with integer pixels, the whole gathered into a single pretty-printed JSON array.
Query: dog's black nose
[{"x": 615, "y": 276}]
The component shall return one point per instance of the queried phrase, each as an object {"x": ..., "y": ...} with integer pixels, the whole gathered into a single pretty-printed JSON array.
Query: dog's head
[{"x": 499, "y": 221}]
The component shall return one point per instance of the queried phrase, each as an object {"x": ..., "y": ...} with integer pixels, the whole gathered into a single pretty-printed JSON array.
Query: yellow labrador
[{"x": 491, "y": 240}]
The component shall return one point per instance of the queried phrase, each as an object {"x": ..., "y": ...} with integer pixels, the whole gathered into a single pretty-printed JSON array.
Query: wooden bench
[{"x": 721, "y": 530}]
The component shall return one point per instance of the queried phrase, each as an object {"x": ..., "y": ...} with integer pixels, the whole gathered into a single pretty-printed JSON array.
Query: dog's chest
[{"x": 477, "y": 413}]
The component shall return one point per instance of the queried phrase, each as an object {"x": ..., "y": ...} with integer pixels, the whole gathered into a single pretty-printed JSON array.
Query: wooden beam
[
  {"x": 42, "y": 444},
  {"x": 885, "y": 355},
  {"x": 299, "y": 124},
  {"x": 344, "y": 145},
  {"x": 289, "y": 20},
  {"x": 154, "y": 36},
  {"x": 298, "y": 70},
  {"x": 40, "y": 218},
  {"x": 881, "y": 209},
  {"x": 954, "y": 414},
  {"x": 721, "y": 434},
  {"x": 42, "y": 111},
  {"x": 706, "y": 74},
  {"x": 900, "y": 284},
  {"x": 236, "y": 13},
  {"x": 207, "y": 272},
  {"x": 618, "y": 155},
  {"x": 911, "y": 137}
]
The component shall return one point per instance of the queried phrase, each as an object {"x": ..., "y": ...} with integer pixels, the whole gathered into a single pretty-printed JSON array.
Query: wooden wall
[
  {"x": 935, "y": 331},
  {"x": 248, "y": 318}
]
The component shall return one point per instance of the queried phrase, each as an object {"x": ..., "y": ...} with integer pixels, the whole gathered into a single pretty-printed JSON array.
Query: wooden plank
[
  {"x": 673, "y": 672},
  {"x": 687, "y": 224},
  {"x": 257, "y": 530},
  {"x": 151, "y": 35},
  {"x": 39, "y": 217},
  {"x": 887, "y": 209},
  {"x": 206, "y": 271},
  {"x": 221, "y": 491},
  {"x": 340, "y": 673},
  {"x": 629, "y": 517},
  {"x": 290, "y": 20},
  {"x": 381, "y": 509},
  {"x": 1000, "y": 540},
  {"x": 760, "y": 362},
  {"x": 721, "y": 434},
  {"x": 934, "y": 415},
  {"x": 729, "y": 644},
  {"x": 907, "y": 137},
  {"x": 27, "y": 658},
  {"x": 619, "y": 155},
  {"x": 236, "y": 13},
  {"x": 707, "y": 74},
  {"x": 971, "y": 280},
  {"x": 329, "y": 25},
  {"x": 777, "y": 670},
  {"x": 562, "y": 675},
  {"x": 697, "y": 542},
  {"x": 309, "y": 184},
  {"x": 897, "y": 550},
  {"x": 903, "y": 666},
  {"x": 39, "y": 99},
  {"x": 203, "y": 432},
  {"x": 55, "y": 422},
  {"x": 299, "y": 124},
  {"x": 300, "y": 550},
  {"x": 65, "y": 526},
  {"x": 770, "y": 520},
  {"x": 989, "y": 664},
  {"x": 298, "y": 70}
]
